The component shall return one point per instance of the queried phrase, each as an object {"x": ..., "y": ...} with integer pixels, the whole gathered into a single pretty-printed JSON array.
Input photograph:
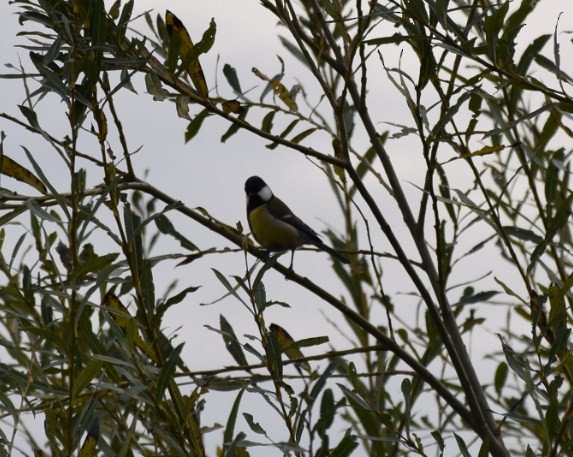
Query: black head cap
[{"x": 253, "y": 185}]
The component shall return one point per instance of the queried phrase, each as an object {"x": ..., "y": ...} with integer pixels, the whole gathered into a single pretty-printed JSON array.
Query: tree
[{"x": 86, "y": 349}]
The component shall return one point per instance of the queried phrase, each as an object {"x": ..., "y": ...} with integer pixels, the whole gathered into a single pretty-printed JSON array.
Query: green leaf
[
  {"x": 406, "y": 387},
  {"x": 356, "y": 399},
  {"x": 195, "y": 125},
  {"x": 167, "y": 228},
  {"x": 91, "y": 370},
  {"x": 462, "y": 446},
  {"x": 531, "y": 52},
  {"x": 235, "y": 127},
  {"x": 346, "y": 446},
  {"x": 232, "y": 290},
  {"x": 479, "y": 297},
  {"x": 231, "y": 421},
  {"x": 522, "y": 234},
  {"x": 556, "y": 224},
  {"x": 231, "y": 75},
  {"x": 168, "y": 370},
  {"x": 254, "y": 426},
  {"x": 302, "y": 135},
  {"x": 327, "y": 413},
  {"x": 511, "y": 125},
  {"x": 500, "y": 377},
  {"x": 231, "y": 342},
  {"x": 180, "y": 296},
  {"x": 147, "y": 286},
  {"x": 267, "y": 124},
  {"x": 517, "y": 363},
  {"x": 232, "y": 450}
]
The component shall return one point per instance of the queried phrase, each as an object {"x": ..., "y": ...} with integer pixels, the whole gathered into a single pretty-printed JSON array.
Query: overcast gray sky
[{"x": 210, "y": 174}]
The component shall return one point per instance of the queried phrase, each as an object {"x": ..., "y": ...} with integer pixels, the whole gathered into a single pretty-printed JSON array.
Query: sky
[{"x": 210, "y": 174}]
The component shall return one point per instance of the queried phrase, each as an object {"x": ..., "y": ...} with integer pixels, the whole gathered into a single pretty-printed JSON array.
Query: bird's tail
[{"x": 333, "y": 252}]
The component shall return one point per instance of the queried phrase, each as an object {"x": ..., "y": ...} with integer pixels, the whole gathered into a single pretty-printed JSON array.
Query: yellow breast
[{"x": 272, "y": 233}]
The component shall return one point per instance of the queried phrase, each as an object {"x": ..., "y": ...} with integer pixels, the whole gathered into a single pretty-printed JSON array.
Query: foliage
[{"x": 84, "y": 346}]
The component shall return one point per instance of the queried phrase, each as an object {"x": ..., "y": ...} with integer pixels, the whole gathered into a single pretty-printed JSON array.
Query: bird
[{"x": 274, "y": 225}]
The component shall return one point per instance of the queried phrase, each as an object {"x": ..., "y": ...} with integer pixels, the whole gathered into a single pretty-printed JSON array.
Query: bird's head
[{"x": 256, "y": 188}]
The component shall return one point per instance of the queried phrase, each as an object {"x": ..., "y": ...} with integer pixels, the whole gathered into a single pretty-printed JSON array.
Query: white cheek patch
[{"x": 265, "y": 193}]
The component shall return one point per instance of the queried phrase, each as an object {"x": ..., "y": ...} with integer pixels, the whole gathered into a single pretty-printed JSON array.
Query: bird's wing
[{"x": 282, "y": 212}]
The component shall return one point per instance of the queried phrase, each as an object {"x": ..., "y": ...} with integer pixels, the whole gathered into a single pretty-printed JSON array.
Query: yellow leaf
[
  {"x": 279, "y": 90},
  {"x": 232, "y": 106},
  {"x": 287, "y": 344},
  {"x": 284, "y": 95},
  {"x": 122, "y": 318},
  {"x": 483, "y": 151},
  {"x": 176, "y": 28},
  {"x": 11, "y": 168}
]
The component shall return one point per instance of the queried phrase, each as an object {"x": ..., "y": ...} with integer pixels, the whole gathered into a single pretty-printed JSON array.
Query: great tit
[{"x": 274, "y": 225}]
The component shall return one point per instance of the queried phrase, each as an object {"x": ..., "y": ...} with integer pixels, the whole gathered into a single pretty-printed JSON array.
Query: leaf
[
  {"x": 517, "y": 363},
  {"x": 483, "y": 151},
  {"x": 195, "y": 125},
  {"x": 182, "y": 106},
  {"x": 406, "y": 387},
  {"x": 500, "y": 377},
  {"x": 231, "y": 342},
  {"x": 231, "y": 106},
  {"x": 231, "y": 74},
  {"x": 480, "y": 297},
  {"x": 254, "y": 426},
  {"x": 285, "y": 96},
  {"x": 121, "y": 316},
  {"x": 462, "y": 446},
  {"x": 231, "y": 421},
  {"x": 267, "y": 124},
  {"x": 279, "y": 89},
  {"x": 345, "y": 447},
  {"x": 327, "y": 412},
  {"x": 181, "y": 44},
  {"x": 287, "y": 345},
  {"x": 155, "y": 88},
  {"x": 180, "y": 296},
  {"x": 232, "y": 291},
  {"x": 233, "y": 449},
  {"x": 522, "y": 234},
  {"x": 89, "y": 445},
  {"x": 167, "y": 371},
  {"x": 556, "y": 224},
  {"x": 14, "y": 170},
  {"x": 166, "y": 227},
  {"x": 511, "y": 125},
  {"x": 90, "y": 371}
]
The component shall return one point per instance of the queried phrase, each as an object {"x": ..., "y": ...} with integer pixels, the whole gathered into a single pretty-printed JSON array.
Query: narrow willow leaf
[
  {"x": 231, "y": 421},
  {"x": 235, "y": 127},
  {"x": 254, "y": 426},
  {"x": 13, "y": 169},
  {"x": 233, "y": 448},
  {"x": 195, "y": 125},
  {"x": 267, "y": 124},
  {"x": 462, "y": 446},
  {"x": 522, "y": 234},
  {"x": 327, "y": 412},
  {"x": 168, "y": 370},
  {"x": 89, "y": 445},
  {"x": 232, "y": 290},
  {"x": 188, "y": 52},
  {"x": 500, "y": 377},
  {"x": 166, "y": 227},
  {"x": 231, "y": 342},
  {"x": 345, "y": 447}
]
